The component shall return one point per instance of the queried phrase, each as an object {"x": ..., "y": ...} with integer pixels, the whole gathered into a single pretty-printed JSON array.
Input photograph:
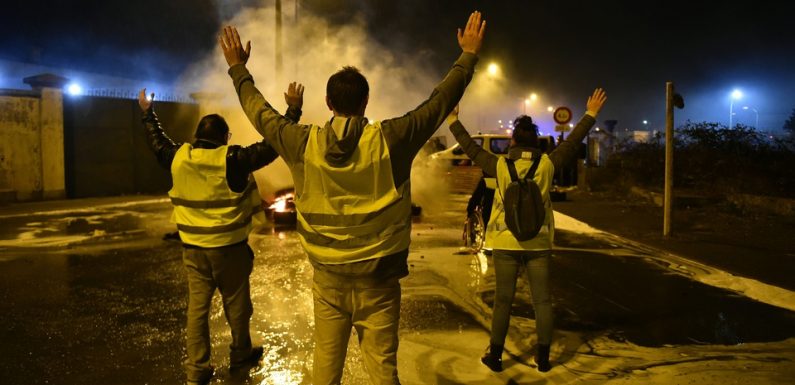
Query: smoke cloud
[{"x": 312, "y": 51}]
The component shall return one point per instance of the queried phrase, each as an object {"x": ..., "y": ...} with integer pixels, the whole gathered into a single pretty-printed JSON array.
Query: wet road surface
[
  {"x": 76, "y": 313},
  {"x": 647, "y": 304}
]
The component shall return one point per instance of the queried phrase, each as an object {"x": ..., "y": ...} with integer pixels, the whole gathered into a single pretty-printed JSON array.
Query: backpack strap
[
  {"x": 530, "y": 173},
  {"x": 512, "y": 170},
  {"x": 536, "y": 161}
]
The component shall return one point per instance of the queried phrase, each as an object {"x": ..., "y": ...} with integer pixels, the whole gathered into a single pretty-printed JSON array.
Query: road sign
[
  {"x": 562, "y": 127},
  {"x": 562, "y": 115}
]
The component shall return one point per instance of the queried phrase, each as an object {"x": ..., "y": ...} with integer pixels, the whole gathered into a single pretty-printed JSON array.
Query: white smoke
[{"x": 312, "y": 50}]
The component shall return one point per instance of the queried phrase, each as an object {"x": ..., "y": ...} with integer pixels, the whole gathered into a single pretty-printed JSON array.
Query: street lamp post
[
  {"x": 736, "y": 95},
  {"x": 756, "y": 113}
]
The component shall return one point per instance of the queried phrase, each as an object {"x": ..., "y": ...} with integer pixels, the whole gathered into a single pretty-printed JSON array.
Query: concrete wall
[
  {"x": 20, "y": 146},
  {"x": 31, "y": 145},
  {"x": 52, "y": 143},
  {"x": 52, "y": 146}
]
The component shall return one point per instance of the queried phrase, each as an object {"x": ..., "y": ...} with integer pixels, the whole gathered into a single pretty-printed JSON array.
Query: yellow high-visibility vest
[
  {"x": 352, "y": 212},
  {"x": 497, "y": 234},
  {"x": 206, "y": 211}
]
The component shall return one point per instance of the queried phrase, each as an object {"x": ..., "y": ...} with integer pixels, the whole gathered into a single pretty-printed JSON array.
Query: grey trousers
[
  {"x": 374, "y": 312},
  {"x": 226, "y": 269},
  {"x": 506, "y": 268}
]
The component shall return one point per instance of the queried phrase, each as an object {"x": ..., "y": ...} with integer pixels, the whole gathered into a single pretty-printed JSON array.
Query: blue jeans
[{"x": 506, "y": 268}]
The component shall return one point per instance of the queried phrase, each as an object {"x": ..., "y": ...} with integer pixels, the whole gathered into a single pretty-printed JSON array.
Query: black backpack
[{"x": 524, "y": 205}]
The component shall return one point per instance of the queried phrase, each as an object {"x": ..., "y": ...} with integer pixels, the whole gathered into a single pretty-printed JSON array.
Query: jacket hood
[{"x": 342, "y": 138}]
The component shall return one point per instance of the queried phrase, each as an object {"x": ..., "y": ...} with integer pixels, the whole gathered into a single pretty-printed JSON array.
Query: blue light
[{"x": 74, "y": 89}]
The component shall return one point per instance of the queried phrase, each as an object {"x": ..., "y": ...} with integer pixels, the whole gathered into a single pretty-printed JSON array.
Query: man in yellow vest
[
  {"x": 353, "y": 199},
  {"x": 509, "y": 253},
  {"x": 215, "y": 201}
]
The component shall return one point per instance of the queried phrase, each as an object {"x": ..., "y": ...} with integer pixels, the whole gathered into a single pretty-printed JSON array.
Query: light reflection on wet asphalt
[{"x": 118, "y": 316}]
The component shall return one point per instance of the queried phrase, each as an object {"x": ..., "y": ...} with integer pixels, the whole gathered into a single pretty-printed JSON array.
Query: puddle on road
[{"x": 62, "y": 230}]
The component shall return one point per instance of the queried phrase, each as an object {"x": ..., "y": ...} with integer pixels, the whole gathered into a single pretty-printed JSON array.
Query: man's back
[
  {"x": 373, "y": 202},
  {"x": 349, "y": 209},
  {"x": 208, "y": 213}
]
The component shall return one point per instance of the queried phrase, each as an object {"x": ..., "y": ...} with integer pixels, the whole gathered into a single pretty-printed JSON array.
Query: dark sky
[{"x": 564, "y": 47}]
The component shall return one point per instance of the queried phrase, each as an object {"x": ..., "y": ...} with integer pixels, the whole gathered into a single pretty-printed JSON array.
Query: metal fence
[{"x": 116, "y": 93}]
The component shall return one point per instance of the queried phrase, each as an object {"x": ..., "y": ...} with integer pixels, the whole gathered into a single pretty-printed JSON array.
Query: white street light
[
  {"x": 755, "y": 113},
  {"x": 550, "y": 109},
  {"x": 736, "y": 95},
  {"x": 527, "y": 101},
  {"x": 74, "y": 89},
  {"x": 493, "y": 69}
]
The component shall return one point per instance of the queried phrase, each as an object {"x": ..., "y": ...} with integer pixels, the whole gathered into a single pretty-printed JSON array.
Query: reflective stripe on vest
[
  {"x": 497, "y": 234},
  {"x": 214, "y": 204},
  {"x": 207, "y": 212},
  {"x": 222, "y": 228},
  {"x": 352, "y": 212}
]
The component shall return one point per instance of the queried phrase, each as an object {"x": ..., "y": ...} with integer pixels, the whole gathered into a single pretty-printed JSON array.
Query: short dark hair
[
  {"x": 347, "y": 90},
  {"x": 212, "y": 127},
  {"x": 525, "y": 132}
]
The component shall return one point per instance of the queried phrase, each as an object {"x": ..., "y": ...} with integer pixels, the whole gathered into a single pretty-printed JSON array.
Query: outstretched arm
[
  {"x": 481, "y": 157},
  {"x": 163, "y": 147},
  {"x": 566, "y": 152},
  {"x": 285, "y": 136},
  {"x": 408, "y": 133}
]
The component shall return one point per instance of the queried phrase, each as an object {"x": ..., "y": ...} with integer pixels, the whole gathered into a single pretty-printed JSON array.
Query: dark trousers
[{"x": 226, "y": 269}]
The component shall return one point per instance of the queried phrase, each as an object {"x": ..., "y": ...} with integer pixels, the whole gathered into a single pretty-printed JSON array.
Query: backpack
[{"x": 524, "y": 205}]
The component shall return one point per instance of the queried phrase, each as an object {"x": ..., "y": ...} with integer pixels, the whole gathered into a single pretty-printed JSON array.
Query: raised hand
[
  {"x": 144, "y": 102},
  {"x": 471, "y": 38},
  {"x": 229, "y": 40},
  {"x": 596, "y": 101},
  {"x": 294, "y": 95}
]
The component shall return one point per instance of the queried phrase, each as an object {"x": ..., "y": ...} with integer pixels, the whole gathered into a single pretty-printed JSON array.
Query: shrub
[{"x": 712, "y": 158}]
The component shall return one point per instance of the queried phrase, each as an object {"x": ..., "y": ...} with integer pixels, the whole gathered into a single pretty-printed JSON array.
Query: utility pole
[
  {"x": 278, "y": 40},
  {"x": 669, "y": 157},
  {"x": 671, "y": 100}
]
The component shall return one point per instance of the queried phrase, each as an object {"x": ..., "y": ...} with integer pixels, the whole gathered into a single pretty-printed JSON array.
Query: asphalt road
[{"x": 93, "y": 295}]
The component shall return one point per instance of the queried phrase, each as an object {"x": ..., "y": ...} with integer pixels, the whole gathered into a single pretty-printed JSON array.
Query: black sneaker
[
  {"x": 492, "y": 359},
  {"x": 250, "y": 361},
  {"x": 542, "y": 358}
]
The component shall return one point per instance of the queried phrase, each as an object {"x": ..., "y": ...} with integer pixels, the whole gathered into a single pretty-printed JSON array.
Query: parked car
[{"x": 496, "y": 144}]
